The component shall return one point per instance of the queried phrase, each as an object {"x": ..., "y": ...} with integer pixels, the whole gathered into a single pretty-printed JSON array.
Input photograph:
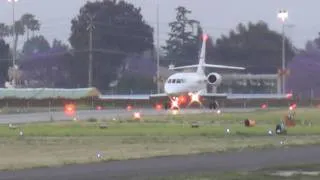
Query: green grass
[
  {"x": 178, "y": 125},
  {"x": 59, "y": 143},
  {"x": 77, "y": 129}
]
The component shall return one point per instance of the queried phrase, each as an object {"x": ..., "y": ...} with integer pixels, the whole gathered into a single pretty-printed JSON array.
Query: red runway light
[
  {"x": 182, "y": 100},
  {"x": 264, "y": 106},
  {"x": 158, "y": 107},
  {"x": 129, "y": 107},
  {"x": 69, "y": 109},
  {"x": 293, "y": 106}
]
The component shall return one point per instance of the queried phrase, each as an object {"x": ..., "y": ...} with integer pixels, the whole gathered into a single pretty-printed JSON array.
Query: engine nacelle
[{"x": 214, "y": 79}]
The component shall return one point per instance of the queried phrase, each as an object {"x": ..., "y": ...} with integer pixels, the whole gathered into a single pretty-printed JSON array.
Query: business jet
[
  {"x": 187, "y": 87},
  {"x": 192, "y": 86}
]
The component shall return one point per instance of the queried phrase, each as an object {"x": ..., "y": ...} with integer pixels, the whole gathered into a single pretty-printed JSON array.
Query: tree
[
  {"x": 59, "y": 45},
  {"x": 185, "y": 39},
  {"x": 254, "y": 46},
  {"x": 4, "y": 30},
  {"x": 304, "y": 67},
  {"x": 4, "y": 50},
  {"x": 119, "y": 31},
  {"x": 313, "y": 45},
  {"x": 34, "y": 26},
  {"x": 4, "y": 61},
  {"x": 37, "y": 44},
  {"x": 135, "y": 84},
  {"x": 30, "y": 23}
]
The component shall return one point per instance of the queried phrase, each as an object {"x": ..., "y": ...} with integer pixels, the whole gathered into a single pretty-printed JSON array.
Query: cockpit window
[{"x": 176, "y": 81}]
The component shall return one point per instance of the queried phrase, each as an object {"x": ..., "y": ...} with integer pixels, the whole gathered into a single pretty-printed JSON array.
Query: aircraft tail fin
[{"x": 202, "y": 58}]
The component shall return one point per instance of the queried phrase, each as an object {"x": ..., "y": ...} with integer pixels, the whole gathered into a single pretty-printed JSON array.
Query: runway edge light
[
  {"x": 137, "y": 116},
  {"x": 70, "y": 109}
]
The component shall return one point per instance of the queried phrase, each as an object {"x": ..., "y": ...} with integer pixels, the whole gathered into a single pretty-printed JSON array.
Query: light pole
[
  {"x": 13, "y": 30},
  {"x": 90, "y": 29},
  {"x": 158, "y": 50},
  {"x": 15, "y": 68},
  {"x": 283, "y": 16}
]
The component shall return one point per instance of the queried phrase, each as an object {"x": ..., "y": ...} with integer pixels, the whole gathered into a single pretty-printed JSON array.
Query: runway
[
  {"x": 167, "y": 166},
  {"x": 98, "y": 114}
]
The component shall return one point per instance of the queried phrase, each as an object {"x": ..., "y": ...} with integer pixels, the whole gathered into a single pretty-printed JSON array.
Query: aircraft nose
[
  {"x": 171, "y": 89},
  {"x": 167, "y": 88}
]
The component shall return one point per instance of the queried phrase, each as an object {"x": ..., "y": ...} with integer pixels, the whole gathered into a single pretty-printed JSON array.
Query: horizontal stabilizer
[
  {"x": 208, "y": 65},
  {"x": 184, "y": 67},
  {"x": 224, "y": 67}
]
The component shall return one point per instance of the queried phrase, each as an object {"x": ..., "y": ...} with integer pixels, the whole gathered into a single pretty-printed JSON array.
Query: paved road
[
  {"x": 106, "y": 114},
  {"x": 164, "y": 166}
]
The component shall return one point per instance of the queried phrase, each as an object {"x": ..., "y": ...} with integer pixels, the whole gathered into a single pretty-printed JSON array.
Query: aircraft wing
[
  {"x": 133, "y": 96},
  {"x": 214, "y": 95},
  {"x": 159, "y": 96},
  {"x": 259, "y": 96},
  {"x": 125, "y": 97},
  {"x": 205, "y": 95}
]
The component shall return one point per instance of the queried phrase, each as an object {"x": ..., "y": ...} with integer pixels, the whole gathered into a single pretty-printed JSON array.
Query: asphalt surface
[
  {"x": 99, "y": 114},
  {"x": 169, "y": 166}
]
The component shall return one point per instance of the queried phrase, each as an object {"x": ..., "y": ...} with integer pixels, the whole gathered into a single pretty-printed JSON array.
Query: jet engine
[{"x": 214, "y": 79}]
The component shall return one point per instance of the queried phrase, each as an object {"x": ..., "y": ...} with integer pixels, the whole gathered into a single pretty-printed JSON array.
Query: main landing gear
[{"x": 214, "y": 105}]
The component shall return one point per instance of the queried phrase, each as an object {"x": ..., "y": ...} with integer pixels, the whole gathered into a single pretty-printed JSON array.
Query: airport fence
[
  {"x": 46, "y": 105},
  {"x": 44, "y": 100}
]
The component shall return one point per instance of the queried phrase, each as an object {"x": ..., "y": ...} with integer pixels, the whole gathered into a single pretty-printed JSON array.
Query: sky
[{"x": 217, "y": 17}]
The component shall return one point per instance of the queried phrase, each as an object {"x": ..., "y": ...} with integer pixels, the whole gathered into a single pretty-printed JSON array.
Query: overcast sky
[{"x": 216, "y": 16}]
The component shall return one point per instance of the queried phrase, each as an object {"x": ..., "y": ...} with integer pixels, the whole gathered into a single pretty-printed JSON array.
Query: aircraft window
[
  {"x": 169, "y": 81},
  {"x": 179, "y": 81},
  {"x": 173, "y": 81}
]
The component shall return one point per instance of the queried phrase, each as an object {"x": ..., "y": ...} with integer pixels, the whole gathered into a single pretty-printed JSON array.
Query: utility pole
[
  {"x": 158, "y": 50},
  {"x": 90, "y": 29}
]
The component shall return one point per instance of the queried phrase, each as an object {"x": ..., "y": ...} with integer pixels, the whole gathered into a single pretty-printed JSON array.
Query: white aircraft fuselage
[{"x": 185, "y": 83}]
